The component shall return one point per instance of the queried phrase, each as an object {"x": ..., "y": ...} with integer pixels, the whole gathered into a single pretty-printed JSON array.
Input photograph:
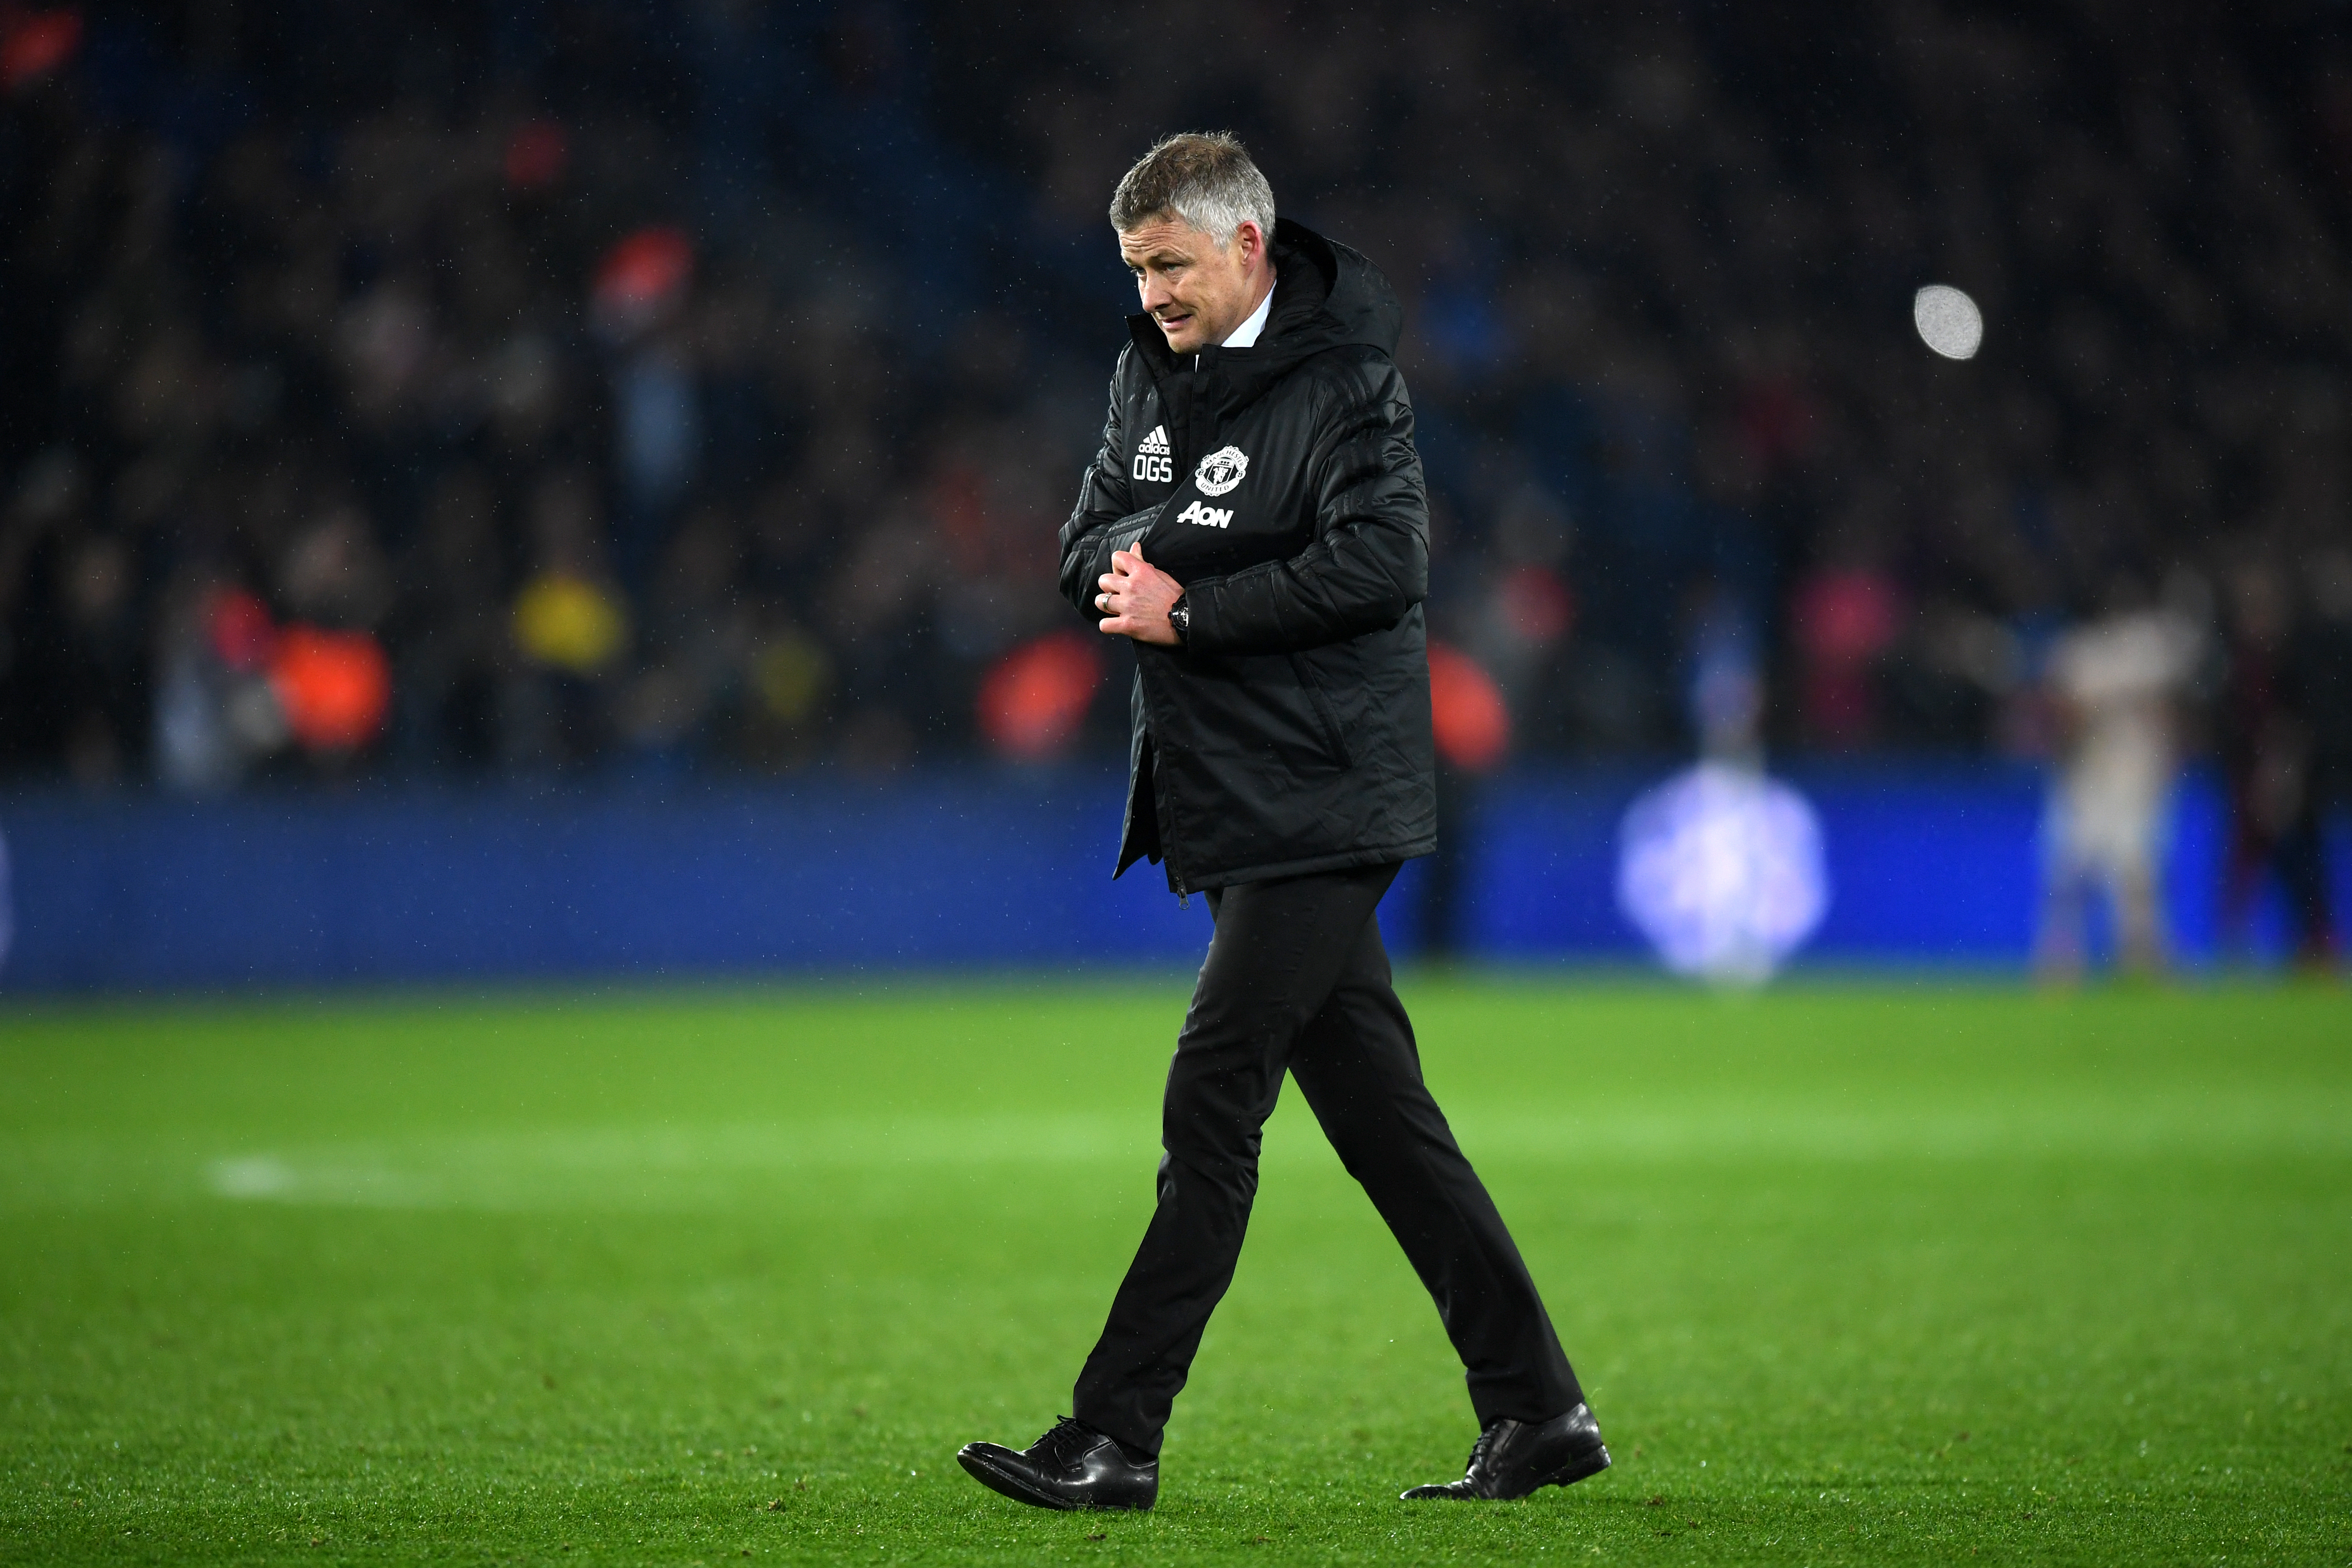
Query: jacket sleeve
[
  {"x": 1369, "y": 562},
  {"x": 1104, "y": 509}
]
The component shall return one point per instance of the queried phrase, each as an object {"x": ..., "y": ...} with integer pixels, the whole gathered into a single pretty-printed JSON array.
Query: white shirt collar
[{"x": 1245, "y": 335}]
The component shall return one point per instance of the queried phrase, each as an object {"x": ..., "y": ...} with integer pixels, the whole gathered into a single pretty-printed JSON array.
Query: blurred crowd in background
[{"x": 548, "y": 386}]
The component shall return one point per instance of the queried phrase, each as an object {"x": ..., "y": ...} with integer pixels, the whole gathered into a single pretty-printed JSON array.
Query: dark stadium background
[{"x": 533, "y": 485}]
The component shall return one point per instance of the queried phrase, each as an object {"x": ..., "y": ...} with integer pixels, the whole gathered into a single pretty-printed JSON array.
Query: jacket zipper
[{"x": 1168, "y": 851}]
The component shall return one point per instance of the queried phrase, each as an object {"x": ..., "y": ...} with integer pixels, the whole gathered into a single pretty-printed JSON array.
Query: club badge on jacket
[{"x": 1221, "y": 470}]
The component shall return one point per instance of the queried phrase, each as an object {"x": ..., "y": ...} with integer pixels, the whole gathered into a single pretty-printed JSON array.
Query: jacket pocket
[
  {"x": 1123, "y": 536},
  {"x": 1334, "y": 738}
]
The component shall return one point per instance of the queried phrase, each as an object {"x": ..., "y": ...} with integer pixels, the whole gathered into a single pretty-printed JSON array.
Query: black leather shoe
[
  {"x": 1073, "y": 1465},
  {"x": 1513, "y": 1459}
]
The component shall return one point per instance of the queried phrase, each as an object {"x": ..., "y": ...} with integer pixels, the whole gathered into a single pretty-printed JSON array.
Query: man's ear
[{"x": 1250, "y": 240}]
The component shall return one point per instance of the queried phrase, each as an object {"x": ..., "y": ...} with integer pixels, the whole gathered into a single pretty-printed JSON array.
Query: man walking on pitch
[{"x": 1255, "y": 523}]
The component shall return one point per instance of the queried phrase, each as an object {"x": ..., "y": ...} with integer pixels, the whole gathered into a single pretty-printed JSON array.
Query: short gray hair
[{"x": 1205, "y": 178}]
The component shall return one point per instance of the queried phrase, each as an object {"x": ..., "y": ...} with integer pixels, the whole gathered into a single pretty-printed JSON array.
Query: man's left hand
[{"x": 1135, "y": 598}]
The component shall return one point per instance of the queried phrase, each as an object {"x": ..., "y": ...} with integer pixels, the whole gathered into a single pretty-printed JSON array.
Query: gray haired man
[{"x": 1255, "y": 522}]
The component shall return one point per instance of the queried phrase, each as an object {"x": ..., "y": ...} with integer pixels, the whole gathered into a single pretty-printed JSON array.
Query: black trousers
[{"x": 1297, "y": 980}]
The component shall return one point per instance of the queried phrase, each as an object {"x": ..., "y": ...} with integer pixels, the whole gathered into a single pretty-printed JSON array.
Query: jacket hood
[{"x": 1326, "y": 296}]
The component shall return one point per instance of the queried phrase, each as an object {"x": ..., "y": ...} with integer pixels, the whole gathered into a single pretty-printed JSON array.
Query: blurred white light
[
  {"x": 1948, "y": 321},
  {"x": 1721, "y": 868}
]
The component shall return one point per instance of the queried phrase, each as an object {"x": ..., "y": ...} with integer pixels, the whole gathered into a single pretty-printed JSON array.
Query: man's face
[{"x": 1197, "y": 289}]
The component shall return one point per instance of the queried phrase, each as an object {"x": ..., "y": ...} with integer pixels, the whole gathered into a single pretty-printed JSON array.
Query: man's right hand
[{"x": 1135, "y": 598}]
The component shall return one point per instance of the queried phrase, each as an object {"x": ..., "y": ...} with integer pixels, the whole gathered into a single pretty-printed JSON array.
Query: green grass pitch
[{"x": 1871, "y": 1273}]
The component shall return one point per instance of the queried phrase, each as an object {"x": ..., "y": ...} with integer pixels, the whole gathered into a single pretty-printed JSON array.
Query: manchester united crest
[{"x": 1221, "y": 470}]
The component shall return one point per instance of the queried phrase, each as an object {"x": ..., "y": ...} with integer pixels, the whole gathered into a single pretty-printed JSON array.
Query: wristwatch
[{"x": 1179, "y": 617}]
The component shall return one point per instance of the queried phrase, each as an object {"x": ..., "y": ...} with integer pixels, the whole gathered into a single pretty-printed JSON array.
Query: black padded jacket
[{"x": 1278, "y": 484}]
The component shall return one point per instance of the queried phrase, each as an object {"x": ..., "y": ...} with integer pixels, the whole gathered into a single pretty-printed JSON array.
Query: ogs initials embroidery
[{"x": 1153, "y": 462}]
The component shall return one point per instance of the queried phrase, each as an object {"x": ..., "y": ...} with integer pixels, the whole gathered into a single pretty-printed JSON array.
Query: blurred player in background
[
  {"x": 2114, "y": 684},
  {"x": 2270, "y": 759}
]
